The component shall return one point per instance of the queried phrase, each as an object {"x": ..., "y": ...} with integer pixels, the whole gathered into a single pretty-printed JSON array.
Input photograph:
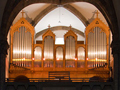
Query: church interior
[{"x": 55, "y": 43}]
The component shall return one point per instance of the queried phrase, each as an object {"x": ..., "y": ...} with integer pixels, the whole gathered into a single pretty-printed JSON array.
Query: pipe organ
[
  {"x": 81, "y": 57},
  {"x": 22, "y": 34},
  {"x": 48, "y": 51},
  {"x": 37, "y": 57},
  {"x": 96, "y": 48},
  {"x": 70, "y": 44},
  {"x": 59, "y": 57},
  {"x": 70, "y": 56},
  {"x": 22, "y": 48}
]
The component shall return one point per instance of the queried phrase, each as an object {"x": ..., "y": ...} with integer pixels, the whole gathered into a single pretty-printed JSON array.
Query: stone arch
[
  {"x": 77, "y": 14},
  {"x": 96, "y": 87},
  {"x": 10, "y": 87},
  {"x": 60, "y": 28},
  {"x": 21, "y": 87},
  {"x": 85, "y": 87},
  {"x": 107, "y": 87},
  {"x": 16, "y": 6},
  {"x": 32, "y": 87},
  {"x": 43, "y": 13},
  {"x": 52, "y": 7}
]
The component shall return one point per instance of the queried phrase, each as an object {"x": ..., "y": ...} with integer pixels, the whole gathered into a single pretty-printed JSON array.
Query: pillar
[
  {"x": 3, "y": 52},
  {"x": 116, "y": 54}
]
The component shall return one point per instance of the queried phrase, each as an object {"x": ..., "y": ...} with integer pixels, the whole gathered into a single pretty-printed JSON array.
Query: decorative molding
[
  {"x": 60, "y": 28},
  {"x": 70, "y": 33},
  {"x": 38, "y": 45},
  {"x": 48, "y": 33},
  {"x": 20, "y": 23},
  {"x": 97, "y": 23}
]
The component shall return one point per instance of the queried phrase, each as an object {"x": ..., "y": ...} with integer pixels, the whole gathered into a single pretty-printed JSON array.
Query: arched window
[
  {"x": 48, "y": 51},
  {"x": 97, "y": 48},
  {"x": 22, "y": 47},
  {"x": 37, "y": 56},
  {"x": 81, "y": 57},
  {"x": 70, "y": 51},
  {"x": 59, "y": 57}
]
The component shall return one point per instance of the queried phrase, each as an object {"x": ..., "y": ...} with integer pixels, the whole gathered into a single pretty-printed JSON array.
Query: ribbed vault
[
  {"x": 14, "y": 7},
  {"x": 52, "y": 7}
]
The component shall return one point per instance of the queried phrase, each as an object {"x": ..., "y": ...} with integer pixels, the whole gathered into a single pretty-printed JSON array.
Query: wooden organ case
[{"x": 80, "y": 60}]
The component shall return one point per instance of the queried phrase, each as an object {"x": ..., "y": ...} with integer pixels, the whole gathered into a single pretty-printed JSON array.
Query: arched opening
[{"x": 48, "y": 42}]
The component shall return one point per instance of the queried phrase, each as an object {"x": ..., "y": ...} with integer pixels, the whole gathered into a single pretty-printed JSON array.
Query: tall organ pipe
[
  {"x": 70, "y": 51},
  {"x": 48, "y": 47},
  {"x": 59, "y": 53},
  {"x": 70, "y": 48},
  {"x": 81, "y": 57},
  {"x": 37, "y": 56},
  {"x": 22, "y": 46},
  {"x": 48, "y": 51},
  {"x": 96, "y": 48}
]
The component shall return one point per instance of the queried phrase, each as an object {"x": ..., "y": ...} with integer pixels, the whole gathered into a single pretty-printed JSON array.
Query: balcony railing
[{"x": 61, "y": 79}]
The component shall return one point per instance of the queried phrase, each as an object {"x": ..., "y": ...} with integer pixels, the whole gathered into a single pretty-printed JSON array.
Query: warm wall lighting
[
  {"x": 58, "y": 59},
  {"x": 96, "y": 59},
  {"x": 87, "y": 58},
  {"x": 24, "y": 58},
  {"x": 33, "y": 58},
  {"x": 75, "y": 59},
  {"x": 44, "y": 59}
]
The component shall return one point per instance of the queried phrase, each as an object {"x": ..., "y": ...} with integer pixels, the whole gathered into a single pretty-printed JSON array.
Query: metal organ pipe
[
  {"x": 70, "y": 51},
  {"x": 81, "y": 57},
  {"x": 37, "y": 56},
  {"x": 48, "y": 47},
  {"x": 48, "y": 51},
  {"x": 59, "y": 53},
  {"x": 96, "y": 48},
  {"x": 22, "y": 45},
  {"x": 59, "y": 57},
  {"x": 38, "y": 53},
  {"x": 70, "y": 48}
]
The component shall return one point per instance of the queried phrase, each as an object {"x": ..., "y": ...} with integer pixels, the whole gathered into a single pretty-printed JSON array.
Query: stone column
[
  {"x": 3, "y": 52},
  {"x": 116, "y": 54}
]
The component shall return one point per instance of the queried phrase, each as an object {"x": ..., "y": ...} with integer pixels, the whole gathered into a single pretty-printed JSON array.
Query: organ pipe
[
  {"x": 59, "y": 57},
  {"x": 81, "y": 53},
  {"x": 48, "y": 47},
  {"x": 38, "y": 53},
  {"x": 22, "y": 48},
  {"x": 59, "y": 53},
  {"x": 97, "y": 48},
  {"x": 70, "y": 51},
  {"x": 37, "y": 56},
  {"x": 70, "y": 48},
  {"x": 81, "y": 57},
  {"x": 48, "y": 51}
]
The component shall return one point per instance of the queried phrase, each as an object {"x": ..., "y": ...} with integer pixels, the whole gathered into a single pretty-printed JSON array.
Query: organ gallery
[{"x": 81, "y": 59}]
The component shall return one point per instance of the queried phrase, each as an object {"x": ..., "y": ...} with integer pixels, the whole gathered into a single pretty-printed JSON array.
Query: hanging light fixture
[{"x": 59, "y": 6}]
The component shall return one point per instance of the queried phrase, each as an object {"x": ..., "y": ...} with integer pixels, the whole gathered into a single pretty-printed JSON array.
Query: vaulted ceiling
[{"x": 78, "y": 15}]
